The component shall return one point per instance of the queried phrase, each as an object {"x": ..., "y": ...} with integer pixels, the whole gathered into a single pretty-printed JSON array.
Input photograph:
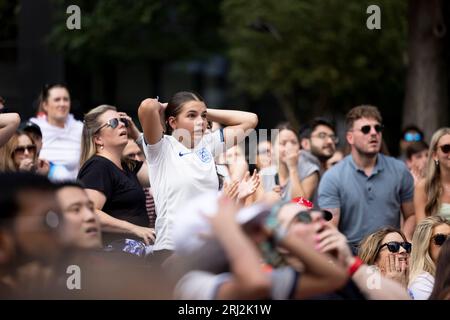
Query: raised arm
[
  {"x": 235, "y": 123},
  {"x": 319, "y": 276},
  {"x": 248, "y": 280},
  {"x": 151, "y": 116},
  {"x": 9, "y": 122}
]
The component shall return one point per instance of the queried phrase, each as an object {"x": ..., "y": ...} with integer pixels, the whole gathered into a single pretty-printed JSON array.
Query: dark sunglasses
[
  {"x": 114, "y": 123},
  {"x": 410, "y": 137},
  {"x": 366, "y": 129},
  {"x": 394, "y": 246},
  {"x": 21, "y": 150},
  {"x": 445, "y": 148},
  {"x": 305, "y": 216},
  {"x": 439, "y": 239}
]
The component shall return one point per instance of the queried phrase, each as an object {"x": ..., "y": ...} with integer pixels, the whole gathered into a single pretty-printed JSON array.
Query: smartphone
[{"x": 277, "y": 179}]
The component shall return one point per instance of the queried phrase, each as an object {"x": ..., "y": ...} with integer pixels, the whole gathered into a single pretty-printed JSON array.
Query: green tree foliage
[
  {"x": 124, "y": 30},
  {"x": 317, "y": 53}
]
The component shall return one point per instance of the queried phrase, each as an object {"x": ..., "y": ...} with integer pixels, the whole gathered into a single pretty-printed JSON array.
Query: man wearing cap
[{"x": 55, "y": 172}]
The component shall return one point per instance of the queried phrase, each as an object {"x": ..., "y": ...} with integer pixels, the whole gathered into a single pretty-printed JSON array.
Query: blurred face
[
  {"x": 133, "y": 152},
  {"x": 337, "y": 156},
  {"x": 25, "y": 149},
  {"x": 384, "y": 250},
  {"x": 323, "y": 142},
  {"x": 306, "y": 230},
  {"x": 365, "y": 137},
  {"x": 191, "y": 122},
  {"x": 409, "y": 138},
  {"x": 36, "y": 227},
  {"x": 81, "y": 226},
  {"x": 435, "y": 248},
  {"x": 233, "y": 155},
  {"x": 418, "y": 161},
  {"x": 57, "y": 105},
  {"x": 439, "y": 154},
  {"x": 264, "y": 157},
  {"x": 110, "y": 137},
  {"x": 37, "y": 141},
  {"x": 287, "y": 140}
]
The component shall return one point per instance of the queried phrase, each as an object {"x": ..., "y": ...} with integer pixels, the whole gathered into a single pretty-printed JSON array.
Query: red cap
[{"x": 303, "y": 202}]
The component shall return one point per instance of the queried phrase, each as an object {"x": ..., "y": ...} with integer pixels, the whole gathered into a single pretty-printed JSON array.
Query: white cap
[{"x": 191, "y": 229}]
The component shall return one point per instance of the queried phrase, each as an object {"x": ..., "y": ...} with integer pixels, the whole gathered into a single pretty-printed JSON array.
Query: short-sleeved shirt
[
  {"x": 366, "y": 203},
  {"x": 305, "y": 167},
  {"x": 125, "y": 198},
  {"x": 422, "y": 286},
  {"x": 179, "y": 174}
]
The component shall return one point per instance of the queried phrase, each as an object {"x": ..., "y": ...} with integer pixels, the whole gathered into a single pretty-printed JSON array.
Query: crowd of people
[{"x": 181, "y": 211}]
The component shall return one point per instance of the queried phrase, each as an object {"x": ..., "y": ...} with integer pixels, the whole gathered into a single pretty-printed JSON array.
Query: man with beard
[
  {"x": 318, "y": 141},
  {"x": 367, "y": 190}
]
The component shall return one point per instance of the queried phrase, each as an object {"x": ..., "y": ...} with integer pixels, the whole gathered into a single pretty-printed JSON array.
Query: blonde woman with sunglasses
[
  {"x": 432, "y": 194},
  {"x": 428, "y": 238},
  {"x": 115, "y": 186}
]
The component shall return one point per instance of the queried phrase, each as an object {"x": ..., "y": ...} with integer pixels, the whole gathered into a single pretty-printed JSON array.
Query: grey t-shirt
[
  {"x": 306, "y": 167},
  {"x": 366, "y": 203}
]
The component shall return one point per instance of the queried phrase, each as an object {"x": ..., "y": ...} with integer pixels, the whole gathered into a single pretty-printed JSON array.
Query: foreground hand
[
  {"x": 248, "y": 185},
  {"x": 146, "y": 234}
]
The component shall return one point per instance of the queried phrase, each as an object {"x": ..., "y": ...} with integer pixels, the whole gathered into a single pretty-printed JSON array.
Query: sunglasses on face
[
  {"x": 439, "y": 239},
  {"x": 114, "y": 123},
  {"x": 445, "y": 148},
  {"x": 367, "y": 128},
  {"x": 21, "y": 150},
  {"x": 305, "y": 216},
  {"x": 410, "y": 137},
  {"x": 394, "y": 246}
]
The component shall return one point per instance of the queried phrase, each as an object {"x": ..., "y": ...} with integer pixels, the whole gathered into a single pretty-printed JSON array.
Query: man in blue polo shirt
[{"x": 367, "y": 190}]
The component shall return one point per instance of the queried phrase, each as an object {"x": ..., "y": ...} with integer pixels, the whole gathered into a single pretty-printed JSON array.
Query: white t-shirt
[
  {"x": 62, "y": 146},
  {"x": 422, "y": 286},
  {"x": 179, "y": 174}
]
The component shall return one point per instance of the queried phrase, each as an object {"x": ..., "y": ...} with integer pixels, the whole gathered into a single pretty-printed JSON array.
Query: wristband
[{"x": 355, "y": 266}]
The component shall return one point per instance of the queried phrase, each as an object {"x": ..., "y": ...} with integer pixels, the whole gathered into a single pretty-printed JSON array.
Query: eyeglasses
[
  {"x": 366, "y": 129},
  {"x": 445, "y": 148},
  {"x": 114, "y": 123},
  {"x": 323, "y": 136},
  {"x": 21, "y": 150},
  {"x": 394, "y": 246},
  {"x": 305, "y": 216},
  {"x": 410, "y": 137},
  {"x": 439, "y": 239}
]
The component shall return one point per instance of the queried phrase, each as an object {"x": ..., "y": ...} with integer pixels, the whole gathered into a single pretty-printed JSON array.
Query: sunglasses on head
[
  {"x": 410, "y": 137},
  {"x": 114, "y": 123},
  {"x": 366, "y": 129},
  {"x": 445, "y": 148},
  {"x": 305, "y": 216},
  {"x": 394, "y": 246},
  {"x": 439, "y": 239},
  {"x": 21, "y": 150}
]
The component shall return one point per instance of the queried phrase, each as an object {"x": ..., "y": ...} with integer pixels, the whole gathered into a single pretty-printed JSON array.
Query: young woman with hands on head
[{"x": 180, "y": 153}]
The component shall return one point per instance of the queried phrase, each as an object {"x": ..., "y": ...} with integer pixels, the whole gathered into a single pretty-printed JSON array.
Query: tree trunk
[
  {"x": 287, "y": 109},
  {"x": 426, "y": 95}
]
